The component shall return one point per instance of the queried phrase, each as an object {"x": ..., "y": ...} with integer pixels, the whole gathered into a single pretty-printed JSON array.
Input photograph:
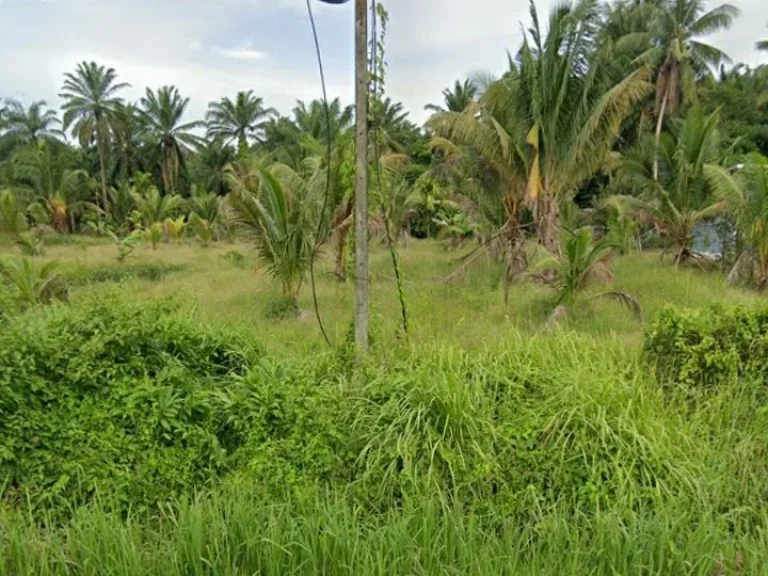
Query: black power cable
[{"x": 319, "y": 234}]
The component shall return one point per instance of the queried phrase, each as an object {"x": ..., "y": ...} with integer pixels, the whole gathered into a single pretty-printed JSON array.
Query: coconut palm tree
[
  {"x": 278, "y": 207},
  {"x": 747, "y": 196},
  {"x": 207, "y": 166},
  {"x": 583, "y": 260},
  {"x": 28, "y": 125},
  {"x": 46, "y": 173},
  {"x": 551, "y": 121},
  {"x": 678, "y": 55},
  {"x": 456, "y": 99},
  {"x": 681, "y": 194},
  {"x": 242, "y": 119},
  {"x": 163, "y": 112},
  {"x": 128, "y": 131},
  {"x": 90, "y": 96}
]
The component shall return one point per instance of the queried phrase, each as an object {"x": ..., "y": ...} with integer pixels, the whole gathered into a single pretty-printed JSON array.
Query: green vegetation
[{"x": 168, "y": 405}]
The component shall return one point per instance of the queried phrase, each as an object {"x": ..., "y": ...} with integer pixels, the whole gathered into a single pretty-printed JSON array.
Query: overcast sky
[{"x": 212, "y": 48}]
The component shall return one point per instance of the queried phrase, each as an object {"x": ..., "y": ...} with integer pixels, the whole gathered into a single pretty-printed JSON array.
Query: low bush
[
  {"x": 703, "y": 348},
  {"x": 107, "y": 397}
]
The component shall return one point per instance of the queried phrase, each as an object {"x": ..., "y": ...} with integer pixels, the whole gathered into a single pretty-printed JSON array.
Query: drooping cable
[
  {"x": 374, "y": 64},
  {"x": 319, "y": 233}
]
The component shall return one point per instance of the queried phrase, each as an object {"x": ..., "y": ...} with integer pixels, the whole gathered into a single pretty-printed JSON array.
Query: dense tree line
[{"x": 615, "y": 115}]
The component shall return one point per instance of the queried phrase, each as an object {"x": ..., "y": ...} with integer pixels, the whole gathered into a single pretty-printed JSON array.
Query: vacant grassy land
[{"x": 224, "y": 286}]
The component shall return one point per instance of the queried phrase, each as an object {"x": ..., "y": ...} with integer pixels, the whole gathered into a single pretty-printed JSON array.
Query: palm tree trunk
[
  {"x": 659, "y": 124},
  {"x": 242, "y": 146},
  {"x": 549, "y": 224},
  {"x": 102, "y": 166}
]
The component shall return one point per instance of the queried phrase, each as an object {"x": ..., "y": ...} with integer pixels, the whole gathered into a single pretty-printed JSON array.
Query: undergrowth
[{"x": 133, "y": 441}]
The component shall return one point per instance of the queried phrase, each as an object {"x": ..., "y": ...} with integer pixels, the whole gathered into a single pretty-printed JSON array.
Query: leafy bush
[
  {"x": 111, "y": 398},
  {"x": 708, "y": 347}
]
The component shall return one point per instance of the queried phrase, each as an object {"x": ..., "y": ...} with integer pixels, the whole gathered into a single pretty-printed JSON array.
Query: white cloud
[{"x": 242, "y": 53}]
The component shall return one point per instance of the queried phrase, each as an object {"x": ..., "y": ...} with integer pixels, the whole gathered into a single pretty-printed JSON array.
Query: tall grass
[{"x": 236, "y": 532}]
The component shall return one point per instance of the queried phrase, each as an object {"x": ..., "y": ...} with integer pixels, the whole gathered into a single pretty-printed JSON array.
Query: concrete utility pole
[
  {"x": 361, "y": 172},
  {"x": 361, "y": 175}
]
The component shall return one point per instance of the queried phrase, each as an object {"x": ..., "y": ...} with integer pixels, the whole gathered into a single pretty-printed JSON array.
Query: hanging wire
[
  {"x": 329, "y": 151},
  {"x": 374, "y": 64}
]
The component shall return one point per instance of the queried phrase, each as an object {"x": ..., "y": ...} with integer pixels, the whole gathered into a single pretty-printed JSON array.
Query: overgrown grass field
[
  {"x": 167, "y": 420},
  {"x": 223, "y": 285}
]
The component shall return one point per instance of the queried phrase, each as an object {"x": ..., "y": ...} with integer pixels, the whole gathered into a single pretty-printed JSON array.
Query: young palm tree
[
  {"x": 155, "y": 207},
  {"x": 583, "y": 260},
  {"x": 456, "y": 99},
  {"x": 29, "y": 125},
  {"x": 90, "y": 96},
  {"x": 678, "y": 55},
  {"x": 31, "y": 282},
  {"x": 747, "y": 196},
  {"x": 163, "y": 112},
  {"x": 277, "y": 206},
  {"x": 242, "y": 119},
  {"x": 45, "y": 172},
  {"x": 206, "y": 214},
  {"x": 681, "y": 194}
]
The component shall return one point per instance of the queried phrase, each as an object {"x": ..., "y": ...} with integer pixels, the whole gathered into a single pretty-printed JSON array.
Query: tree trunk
[
  {"x": 102, "y": 166},
  {"x": 339, "y": 246},
  {"x": 659, "y": 125},
  {"x": 549, "y": 224},
  {"x": 242, "y": 146}
]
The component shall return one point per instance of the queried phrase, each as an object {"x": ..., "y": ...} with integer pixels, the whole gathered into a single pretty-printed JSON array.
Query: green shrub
[
  {"x": 708, "y": 347},
  {"x": 114, "y": 399},
  {"x": 281, "y": 308}
]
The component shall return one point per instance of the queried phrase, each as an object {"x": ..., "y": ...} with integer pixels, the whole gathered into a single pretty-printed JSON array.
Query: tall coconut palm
[
  {"x": 456, "y": 99},
  {"x": 90, "y": 96},
  {"x": 678, "y": 55},
  {"x": 28, "y": 125},
  {"x": 554, "y": 116},
  {"x": 242, "y": 119},
  {"x": 163, "y": 112},
  {"x": 128, "y": 131},
  {"x": 682, "y": 194}
]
